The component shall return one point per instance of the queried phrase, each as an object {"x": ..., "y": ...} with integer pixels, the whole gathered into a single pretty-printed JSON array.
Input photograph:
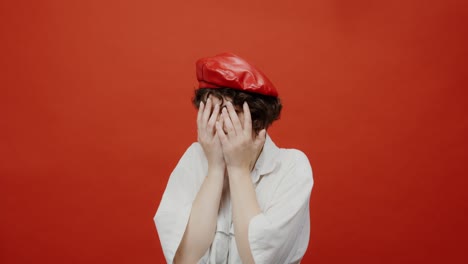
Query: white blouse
[{"x": 280, "y": 234}]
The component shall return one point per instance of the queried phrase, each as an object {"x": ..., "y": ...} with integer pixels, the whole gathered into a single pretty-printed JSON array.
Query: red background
[{"x": 95, "y": 112}]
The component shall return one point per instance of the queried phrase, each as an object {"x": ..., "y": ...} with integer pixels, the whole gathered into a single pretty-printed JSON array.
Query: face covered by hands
[
  {"x": 240, "y": 145},
  {"x": 208, "y": 136},
  {"x": 227, "y": 137}
]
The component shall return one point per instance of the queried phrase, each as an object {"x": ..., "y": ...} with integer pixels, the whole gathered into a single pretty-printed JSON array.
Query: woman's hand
[
  {"x": 208, "y": 136},
  {"x": 241, "y": 147}
]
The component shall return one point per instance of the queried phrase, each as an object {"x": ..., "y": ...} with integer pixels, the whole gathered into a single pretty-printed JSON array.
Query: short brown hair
[{"x": 263, "y": 108}]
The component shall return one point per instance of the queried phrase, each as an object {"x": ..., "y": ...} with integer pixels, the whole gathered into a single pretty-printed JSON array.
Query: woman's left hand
[{"x": 241, "y": 146}]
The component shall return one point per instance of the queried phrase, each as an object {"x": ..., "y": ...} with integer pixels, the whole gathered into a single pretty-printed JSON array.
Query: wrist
[
  {"x": 238, "y": 171},
  {"x": 216, "y": 168}
]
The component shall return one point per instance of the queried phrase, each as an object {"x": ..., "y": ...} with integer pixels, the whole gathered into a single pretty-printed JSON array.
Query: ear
[{"x": 261, "y": 137}]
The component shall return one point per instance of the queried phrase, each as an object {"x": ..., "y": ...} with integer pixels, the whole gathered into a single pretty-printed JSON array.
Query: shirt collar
[{"x": 267, "y": 160}]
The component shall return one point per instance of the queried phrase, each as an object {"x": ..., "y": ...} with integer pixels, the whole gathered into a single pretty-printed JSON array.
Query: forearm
[
  {"x": 201, "y": 227},
  {"x": 244, "y": 207}
]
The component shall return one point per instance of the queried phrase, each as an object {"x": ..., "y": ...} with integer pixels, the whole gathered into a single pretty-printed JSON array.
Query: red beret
[{"x": 231, "y": 71}]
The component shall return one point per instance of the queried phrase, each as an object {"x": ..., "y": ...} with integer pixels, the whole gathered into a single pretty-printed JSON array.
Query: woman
[{"x": 234, "y": 196}]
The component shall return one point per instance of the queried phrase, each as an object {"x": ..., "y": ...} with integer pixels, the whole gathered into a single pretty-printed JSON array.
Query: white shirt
[{"x": 280, "y": 234}]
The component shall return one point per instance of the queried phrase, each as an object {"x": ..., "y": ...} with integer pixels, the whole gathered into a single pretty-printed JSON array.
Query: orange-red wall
[{"x": 95, "y": 112}]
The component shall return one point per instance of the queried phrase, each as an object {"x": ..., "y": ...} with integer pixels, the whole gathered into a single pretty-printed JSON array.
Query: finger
[
  {"x": 247, "y": 119},
  {"x": 211, "y": 123},
  {"x": 200, "y": 112},
  {"x": 220, "y": 133},
  {"x": 206, "y": 113},
  {"x": 221, "y": 122},
  {"x": 234, "y": 118},
  {"x": 228, "y": 123}
]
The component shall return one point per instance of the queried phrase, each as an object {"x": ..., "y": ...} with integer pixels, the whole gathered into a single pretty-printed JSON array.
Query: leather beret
[{"x": 227, "y": 70}]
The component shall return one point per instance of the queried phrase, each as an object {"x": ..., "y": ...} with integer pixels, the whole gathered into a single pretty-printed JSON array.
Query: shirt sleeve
[
  {"x": 280, "y": 234},
  {"x": 174, "y": 210}
]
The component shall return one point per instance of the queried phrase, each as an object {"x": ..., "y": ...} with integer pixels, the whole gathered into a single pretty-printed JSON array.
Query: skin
[{"x": 230, "y": 147}]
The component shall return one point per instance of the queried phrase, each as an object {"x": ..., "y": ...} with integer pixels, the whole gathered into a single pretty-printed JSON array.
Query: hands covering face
[
  {"x": 207, "y": 135},
  {"x": 235, "y": 146}
]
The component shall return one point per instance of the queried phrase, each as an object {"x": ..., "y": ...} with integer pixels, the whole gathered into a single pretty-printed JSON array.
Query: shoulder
[
  {"x": 193, "y": 164},
  {"x": 295, "y": 164},
  {"x": 193, "y": 155},
  {"x": 295, "y": 154},
  {"x": 293, "y": 157},
  {"x": 194, "y": 150}
]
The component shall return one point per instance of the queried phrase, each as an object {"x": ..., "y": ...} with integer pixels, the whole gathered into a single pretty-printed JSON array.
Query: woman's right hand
[{"x": 207, "y": 135}]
